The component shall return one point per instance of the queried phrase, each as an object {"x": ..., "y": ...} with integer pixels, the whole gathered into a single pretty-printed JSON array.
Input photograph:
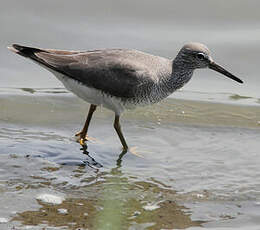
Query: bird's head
[{"x": 196, "y": 55}]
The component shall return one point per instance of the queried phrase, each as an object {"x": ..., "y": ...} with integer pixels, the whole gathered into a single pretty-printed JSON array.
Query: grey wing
[{"x": 101, "y": 70}]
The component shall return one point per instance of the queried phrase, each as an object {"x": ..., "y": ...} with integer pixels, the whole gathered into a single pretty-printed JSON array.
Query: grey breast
[{"x": 124, "y": 73}]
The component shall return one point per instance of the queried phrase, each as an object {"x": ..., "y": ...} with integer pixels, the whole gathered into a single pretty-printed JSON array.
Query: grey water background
[
  {"x": 230, "y": 29},
  {"x": 199, "y": 149}
]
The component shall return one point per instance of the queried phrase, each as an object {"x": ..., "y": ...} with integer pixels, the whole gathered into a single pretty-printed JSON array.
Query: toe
[
  {"x": 134, "y": 151},
  {"x": 82, "y": 141},
  {"x": 78, "y": 134}
]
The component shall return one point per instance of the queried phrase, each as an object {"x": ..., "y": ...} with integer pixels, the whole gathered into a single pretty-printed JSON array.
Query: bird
[{"x": 121, "y": 79}]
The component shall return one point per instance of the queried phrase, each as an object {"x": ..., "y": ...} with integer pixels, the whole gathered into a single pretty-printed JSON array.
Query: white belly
[{"x": 92, "y": 95}]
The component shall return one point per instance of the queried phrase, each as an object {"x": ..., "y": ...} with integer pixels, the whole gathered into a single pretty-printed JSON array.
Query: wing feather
[{"x": 107, "y": 72}]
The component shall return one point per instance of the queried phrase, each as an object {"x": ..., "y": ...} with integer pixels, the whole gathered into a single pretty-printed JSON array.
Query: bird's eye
[{"x": 200, "y": 56}]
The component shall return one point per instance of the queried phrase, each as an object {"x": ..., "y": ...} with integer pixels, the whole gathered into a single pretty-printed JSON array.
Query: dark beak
[{"x": 220, "y": 69}]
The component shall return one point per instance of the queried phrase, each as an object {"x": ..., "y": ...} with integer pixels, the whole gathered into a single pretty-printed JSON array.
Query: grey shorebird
[{"x": 121, "y": 79}]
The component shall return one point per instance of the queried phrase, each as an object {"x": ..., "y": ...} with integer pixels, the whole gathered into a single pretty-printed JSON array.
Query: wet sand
[{"x": 197, "y": 165}]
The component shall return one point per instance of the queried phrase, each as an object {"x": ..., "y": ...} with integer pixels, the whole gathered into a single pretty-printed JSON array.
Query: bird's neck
[
  {"x": 181, "y": 74},
  {"x": 177, "y": 77}
]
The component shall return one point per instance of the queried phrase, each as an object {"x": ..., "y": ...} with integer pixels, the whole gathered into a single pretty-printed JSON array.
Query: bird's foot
[
  {"x": 134, "y": 151},
  {"x": 82, "y": 139}
]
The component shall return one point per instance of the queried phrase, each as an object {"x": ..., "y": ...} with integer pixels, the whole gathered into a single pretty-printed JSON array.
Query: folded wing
[{"x": 112, "y": 71}]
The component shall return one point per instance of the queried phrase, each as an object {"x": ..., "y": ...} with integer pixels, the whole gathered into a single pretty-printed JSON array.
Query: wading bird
[{"x": 121, "y": 79}]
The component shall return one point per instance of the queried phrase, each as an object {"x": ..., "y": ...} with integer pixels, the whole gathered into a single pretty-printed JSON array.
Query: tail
[
  {"x": 25, "y": 51},
  {"x": 57, "y": 60}
]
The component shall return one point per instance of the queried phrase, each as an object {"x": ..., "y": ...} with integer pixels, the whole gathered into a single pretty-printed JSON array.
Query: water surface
[{"x": 197, "y": 164}]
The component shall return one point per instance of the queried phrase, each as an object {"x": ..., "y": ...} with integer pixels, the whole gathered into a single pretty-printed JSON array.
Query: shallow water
[
  {"x": 198, "y": 152},
  {"x": 197, "y": 164}
]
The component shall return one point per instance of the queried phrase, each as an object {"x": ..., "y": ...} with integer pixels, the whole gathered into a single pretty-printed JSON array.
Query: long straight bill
[{"x": 213, "y": 65}]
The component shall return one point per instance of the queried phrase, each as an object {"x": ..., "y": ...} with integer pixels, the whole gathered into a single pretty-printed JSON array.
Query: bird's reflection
[
  {"x": 119, "y": 159},
  {"x": 91, "y": 162}
]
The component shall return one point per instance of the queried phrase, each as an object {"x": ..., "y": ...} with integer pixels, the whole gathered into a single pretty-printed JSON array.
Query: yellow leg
[
  {"x": 83, "y": 133},
  {"x": 117, "y": 127}
]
